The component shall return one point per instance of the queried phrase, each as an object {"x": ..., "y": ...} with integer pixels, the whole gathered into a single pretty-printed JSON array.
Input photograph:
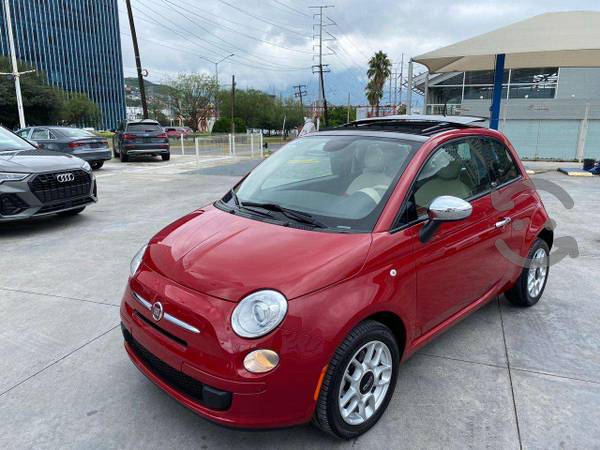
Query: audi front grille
[{"x": 53, "y": 187}]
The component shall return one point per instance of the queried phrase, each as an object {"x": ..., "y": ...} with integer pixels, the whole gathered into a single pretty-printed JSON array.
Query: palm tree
[{"x": 380, "y": 69}]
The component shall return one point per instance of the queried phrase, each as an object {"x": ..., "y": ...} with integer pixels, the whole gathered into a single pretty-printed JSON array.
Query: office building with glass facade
[
  {"x": 76, "y": 44},
  {"x": 547, "y": 113}
]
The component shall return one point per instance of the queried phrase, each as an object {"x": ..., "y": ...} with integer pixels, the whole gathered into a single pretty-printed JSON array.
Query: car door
[
  {"x": 514, "y": 204},
  {"x": 460, "y": 264}
]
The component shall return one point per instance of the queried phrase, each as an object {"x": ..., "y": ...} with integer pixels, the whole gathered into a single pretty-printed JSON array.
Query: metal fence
[{"x": 219, "y": 145}]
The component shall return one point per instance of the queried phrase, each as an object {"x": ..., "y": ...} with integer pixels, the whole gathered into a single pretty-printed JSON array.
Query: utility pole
[
  {"x": 233, "y": 105},
  {"x": 138, "y": 61},
  {"x": 299, "y": 92},
  {"x": 401, "y": 78},
  {"x": 217, "y": 80},
  {"x": 15, "y": 74},
  {"x": 348, "y": 112},
  {"x": 409, "y": 87},
  {"x": 321, "y": 68}
]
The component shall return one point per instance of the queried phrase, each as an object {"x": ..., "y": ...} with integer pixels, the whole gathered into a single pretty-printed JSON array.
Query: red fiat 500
[{"x": 296, "y": 295}]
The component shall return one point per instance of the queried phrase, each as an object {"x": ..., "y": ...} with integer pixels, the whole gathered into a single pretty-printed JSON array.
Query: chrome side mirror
[{"x": 445, "y": 208}]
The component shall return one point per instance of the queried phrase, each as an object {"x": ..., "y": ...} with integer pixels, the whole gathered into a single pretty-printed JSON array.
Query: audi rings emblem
[{"x": 65, "y": 177}]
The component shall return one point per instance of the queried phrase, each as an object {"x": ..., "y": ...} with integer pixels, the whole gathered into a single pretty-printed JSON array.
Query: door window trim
[
  {"x": 510, "y": 155},
  {"x": 395, "y": 226}
]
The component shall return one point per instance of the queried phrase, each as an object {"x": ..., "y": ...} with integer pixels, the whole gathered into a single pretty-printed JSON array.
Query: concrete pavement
[{"x": 503, "y": 378}]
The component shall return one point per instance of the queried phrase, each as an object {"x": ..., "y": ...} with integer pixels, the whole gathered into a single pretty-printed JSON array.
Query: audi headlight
[
  {"x": 86, "y": 166},
  {"x": 259, "y": 314},
  {"x": 137, "y": 260},
  {"x": 9, "y": 176}
]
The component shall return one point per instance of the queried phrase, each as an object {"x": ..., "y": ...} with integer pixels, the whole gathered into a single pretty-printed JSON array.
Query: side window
[
  {"x": 503, "y": 167},
  {"x": 458, "y": 168},
  {"x": 40, "y": 134},
  {"x": 23, "y": 133}
]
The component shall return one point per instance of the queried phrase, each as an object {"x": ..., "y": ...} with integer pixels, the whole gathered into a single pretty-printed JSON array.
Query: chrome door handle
[{"x": 503, "y": 222}]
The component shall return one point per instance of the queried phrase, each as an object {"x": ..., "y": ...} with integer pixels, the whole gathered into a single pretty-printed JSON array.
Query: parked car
[
  {"x": 36, "y": 182},
  {"x": 75, "y": 141},
  {"x": 141, "y": 137},
  {"x": 297, "y": 294},
  {"x": 176, "y": 132}
]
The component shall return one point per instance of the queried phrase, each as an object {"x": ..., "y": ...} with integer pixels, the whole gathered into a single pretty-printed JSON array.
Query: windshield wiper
[
  {"x": 240, "y": 205},
  {"x": 298, "y": 216}
]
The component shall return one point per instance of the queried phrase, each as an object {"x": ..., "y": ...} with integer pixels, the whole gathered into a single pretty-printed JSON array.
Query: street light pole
[
  {"x": 15, "y": 70},
  {"x": 217, "y": 79}
]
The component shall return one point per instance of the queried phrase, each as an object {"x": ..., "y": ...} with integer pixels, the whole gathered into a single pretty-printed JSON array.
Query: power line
[
  {"x": 297, "y": 11},
  {"x": 261, "y": 19},
  {"x": 220, "y": 47},
  {"x": 211, "y": 22}
]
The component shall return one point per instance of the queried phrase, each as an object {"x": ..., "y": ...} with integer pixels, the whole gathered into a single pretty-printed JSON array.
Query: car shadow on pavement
[{"x": 20, "y": 228}]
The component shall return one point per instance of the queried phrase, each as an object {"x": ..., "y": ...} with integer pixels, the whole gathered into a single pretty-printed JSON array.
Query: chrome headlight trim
[
  {"x": 137, "y": 260},
  {"x": 259, "y": 313}
]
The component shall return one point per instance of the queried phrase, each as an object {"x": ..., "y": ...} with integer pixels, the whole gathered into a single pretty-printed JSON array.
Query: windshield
[
  {"x": 343, "y": 182},
  {"x": 10, "y": 141},
  {"x": 76, "y": 133}
]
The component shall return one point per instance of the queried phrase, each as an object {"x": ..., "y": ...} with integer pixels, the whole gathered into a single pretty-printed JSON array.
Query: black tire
[
  {"x": 519, "y": 294},
  {"x": 71, "y": 212},
  {"x": 327, "y": 413},
  {"x": 96, "y": 165},
  {"x": 123, "y": 156},
  {"x": 166, "y": 157}
]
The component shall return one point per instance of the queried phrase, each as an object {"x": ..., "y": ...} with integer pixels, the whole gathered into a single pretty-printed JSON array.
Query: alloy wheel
[{"x": 366, "y": 382}]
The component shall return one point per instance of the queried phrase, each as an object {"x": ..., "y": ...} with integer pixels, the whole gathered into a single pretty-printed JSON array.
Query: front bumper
[
  {"x": 18, "y": 200},
  {"x": 213, "y": 358}
]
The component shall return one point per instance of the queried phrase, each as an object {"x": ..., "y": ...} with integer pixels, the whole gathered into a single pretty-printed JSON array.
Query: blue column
[{"x": 497, "y": 94}]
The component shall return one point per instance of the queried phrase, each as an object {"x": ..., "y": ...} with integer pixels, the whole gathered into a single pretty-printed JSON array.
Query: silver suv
[{"x": 36, "y": 182}]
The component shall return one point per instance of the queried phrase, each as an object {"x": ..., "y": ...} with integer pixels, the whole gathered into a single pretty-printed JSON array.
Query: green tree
[
  {"x": 42, "y": 103},
  {"x": 192, "y": 97},
  {"x": 79, "y": 110},
  {"x": 380, "y": 69},
  {"x": 338, "y": 115},
  {"x": 260, "y": 110}
]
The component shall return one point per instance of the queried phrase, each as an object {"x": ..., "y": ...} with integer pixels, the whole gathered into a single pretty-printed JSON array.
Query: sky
[{"x": 272, "y": 40}]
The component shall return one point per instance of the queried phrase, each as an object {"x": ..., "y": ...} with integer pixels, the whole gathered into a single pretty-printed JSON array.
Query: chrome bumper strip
[{"x": 168, "y": 317}]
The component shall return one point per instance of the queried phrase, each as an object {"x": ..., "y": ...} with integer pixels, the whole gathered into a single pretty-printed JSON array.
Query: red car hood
[{"x": 228, "y": 256}]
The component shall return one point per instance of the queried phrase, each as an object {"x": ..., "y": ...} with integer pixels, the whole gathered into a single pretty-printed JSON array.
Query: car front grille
[
  {"x": 11, "y": 204},
  {"x": 47, "y": 187},
  {"x": 201, "y": 393}
]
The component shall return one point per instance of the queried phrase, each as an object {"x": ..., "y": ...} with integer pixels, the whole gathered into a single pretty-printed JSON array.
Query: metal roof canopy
[
  {"x": 558, "y": 39},
  {"x": 459, "y": 120}
]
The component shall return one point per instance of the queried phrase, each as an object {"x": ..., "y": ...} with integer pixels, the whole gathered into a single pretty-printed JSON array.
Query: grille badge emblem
[
  {"x": 157, "y": 311},
  {"x": 65, "y": 177}
]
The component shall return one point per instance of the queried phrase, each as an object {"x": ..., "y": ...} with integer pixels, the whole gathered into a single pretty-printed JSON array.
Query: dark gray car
[
  {"x": 36, "y": 182},
  {"x": 74, "y": 141}
]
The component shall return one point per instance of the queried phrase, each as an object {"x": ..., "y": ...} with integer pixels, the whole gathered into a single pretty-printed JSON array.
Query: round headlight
[
  {"x": 259, "y": 314},
  {"x": 137, "y": 260}
]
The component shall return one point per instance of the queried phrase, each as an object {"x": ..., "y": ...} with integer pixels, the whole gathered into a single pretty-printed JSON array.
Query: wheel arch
[
  {"x": 547, "y": 235},
  {"x": 395, "y": 324}
]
